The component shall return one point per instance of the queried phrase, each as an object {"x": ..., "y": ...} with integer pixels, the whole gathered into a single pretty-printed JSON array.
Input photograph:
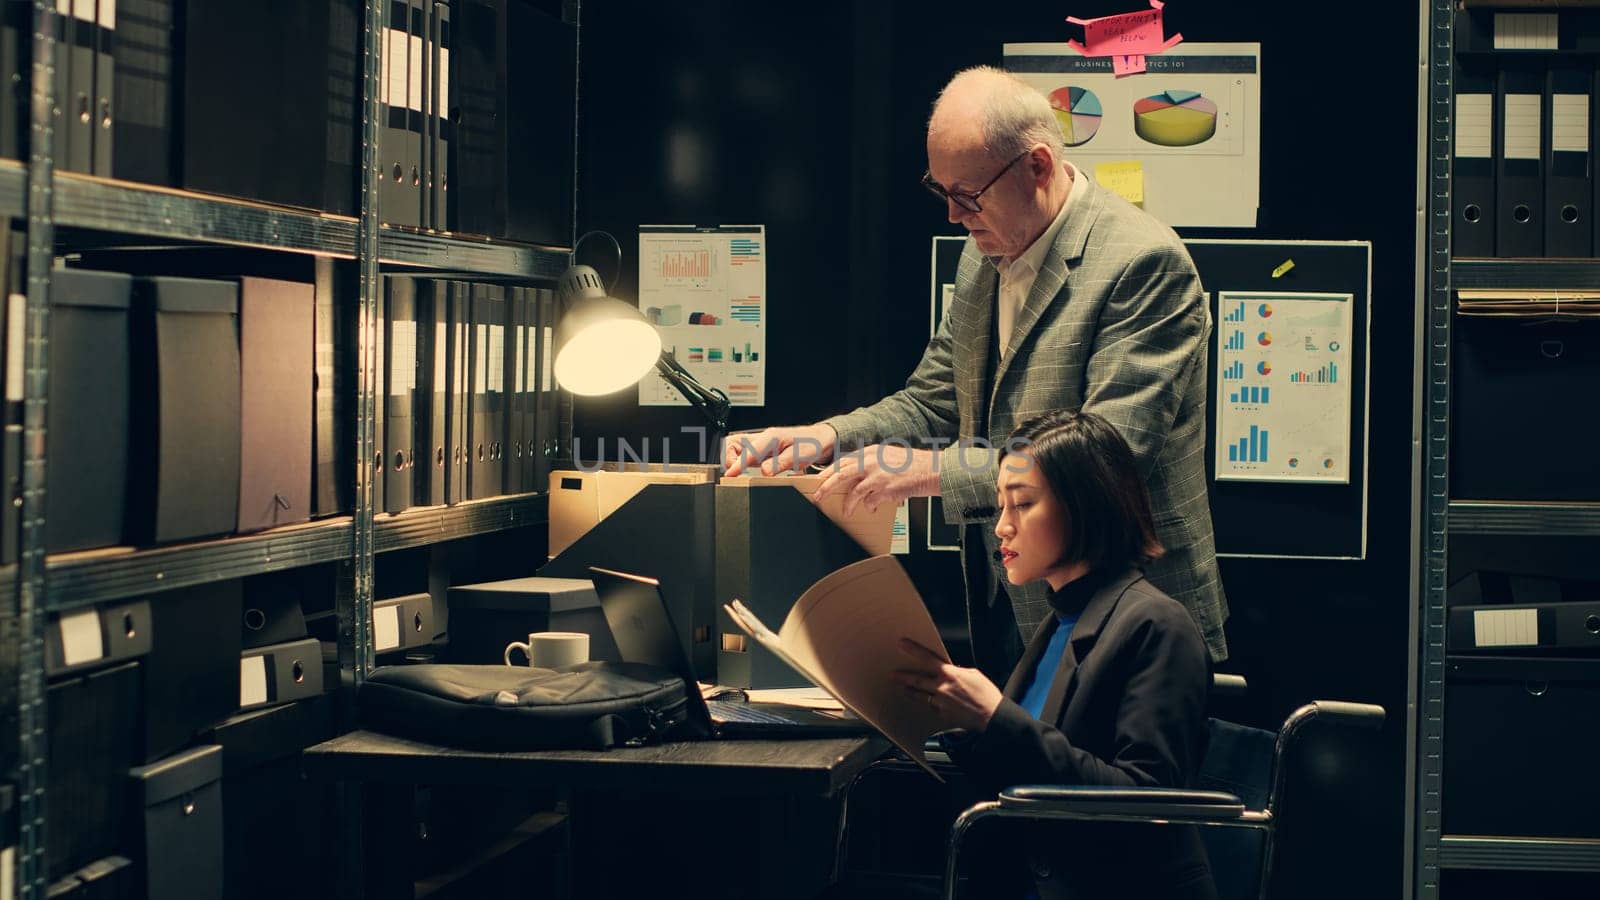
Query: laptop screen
[{"x": 640, "y": 622}]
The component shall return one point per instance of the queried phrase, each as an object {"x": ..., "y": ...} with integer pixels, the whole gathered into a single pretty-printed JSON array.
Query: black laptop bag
[{"x": 592, "y": 705}]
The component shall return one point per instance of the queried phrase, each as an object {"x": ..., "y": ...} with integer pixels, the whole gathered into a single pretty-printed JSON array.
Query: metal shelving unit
[
  {"x": 1467, "y": 517},
  {"x": 93, "y": 209},
  {"x": 1433, "y": 850},
  {"x": 1478, "y": 852},
  {"x": 1515, "y": 274},
  {"x": 437, "y": 524}
]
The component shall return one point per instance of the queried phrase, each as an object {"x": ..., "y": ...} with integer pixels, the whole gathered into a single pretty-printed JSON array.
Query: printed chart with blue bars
[
  {"x": 705, "y": 290},
  {"x": 1282, "y": 400}
]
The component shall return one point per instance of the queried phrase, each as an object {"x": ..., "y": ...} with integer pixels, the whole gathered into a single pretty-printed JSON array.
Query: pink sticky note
[
  {"x": 1127, "y": 65},
  {"x": 1125, "y": 34}
]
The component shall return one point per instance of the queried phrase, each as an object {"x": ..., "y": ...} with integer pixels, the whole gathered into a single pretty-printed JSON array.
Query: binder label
[
  {"x": 83, "y": 9},
  {"x": 252, "y": 681},
  {"x": 80, "y": 638},
  {"x": 1505, "y": 627},
  {"x": 395, "y": 54},
  {"x": 547, "y": 380},
  {"x": 402, "y": 358},
  {"x": 497, "y": 358},
  {"x": 1569, "y": 123},
  {"x": 1474, "y": 126},
  {"x": 522, "y": 356},
  {"x": 480, "y": 378},
  {"x": 385, "y": 627},
  {"x": 108, "y": 15},
  {"x": 1522, "y": 126},
  {"x": 444, "y": 83},
  {"x": 439, "y": 339},
  {"x": 16, "y": 324},
  {"x": 414, "y": 96},
  {"x": 1525, "y": 31}
]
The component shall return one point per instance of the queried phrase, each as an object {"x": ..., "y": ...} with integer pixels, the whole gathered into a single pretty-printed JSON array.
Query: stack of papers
[{"x": 1528, "y": 304}]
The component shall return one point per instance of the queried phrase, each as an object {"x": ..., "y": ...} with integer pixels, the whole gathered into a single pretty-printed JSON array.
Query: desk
[{"x": 797, "y": 780}]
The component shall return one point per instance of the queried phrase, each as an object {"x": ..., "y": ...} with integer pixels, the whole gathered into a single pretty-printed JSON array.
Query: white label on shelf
[
  {"x": 81, "y": 641},
  {"x": 385, "y": 628},
  {"x": 1525, "y": 31},
  {"x": 1522, "y": 126},
  {"x": 8, "y": 872},
  {"x": 1569, "y": 123},
  {"x": 1505, "y": 628},
  {"x": 252, "y": 681},
  {"x": 497, "y": 358},
  {"x": 1474, "y": 129},
  {"x": 16, "y": 339},
  {"x": 403, "y": 358},
  {"x": 395, "y": 56}
]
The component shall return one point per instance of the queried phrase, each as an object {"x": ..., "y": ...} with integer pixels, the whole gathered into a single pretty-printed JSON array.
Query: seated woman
[{"x": 1111, "y": 689}]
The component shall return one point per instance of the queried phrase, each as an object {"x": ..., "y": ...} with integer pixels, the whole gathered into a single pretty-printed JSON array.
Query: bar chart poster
[
  {"x": 1282, "y": 401},
  {"x": 705, "y": 290}
]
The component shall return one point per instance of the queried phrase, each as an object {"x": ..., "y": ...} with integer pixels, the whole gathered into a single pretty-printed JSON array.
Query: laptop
[{"x": 642, "y": 627}]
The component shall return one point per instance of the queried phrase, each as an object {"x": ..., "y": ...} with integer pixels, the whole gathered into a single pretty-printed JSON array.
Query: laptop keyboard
[{"x": 724, "y": 711}]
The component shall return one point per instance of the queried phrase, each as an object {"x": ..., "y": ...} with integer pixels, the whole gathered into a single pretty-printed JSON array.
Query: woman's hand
[{"x": 964, "y": 698}]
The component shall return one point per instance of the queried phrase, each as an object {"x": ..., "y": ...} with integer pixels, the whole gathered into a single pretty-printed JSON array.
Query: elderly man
[{"x": 1066, "y": 297}]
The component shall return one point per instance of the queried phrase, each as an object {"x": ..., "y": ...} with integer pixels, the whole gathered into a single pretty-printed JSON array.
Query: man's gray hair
[{"x": 1015, "y": 117}]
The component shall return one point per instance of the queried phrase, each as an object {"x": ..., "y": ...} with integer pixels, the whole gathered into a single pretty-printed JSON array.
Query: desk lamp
[{"x": 602, "y": 345}]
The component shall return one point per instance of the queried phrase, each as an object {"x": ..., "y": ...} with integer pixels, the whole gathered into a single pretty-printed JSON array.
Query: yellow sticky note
[{"x": 1124, "y": 178}]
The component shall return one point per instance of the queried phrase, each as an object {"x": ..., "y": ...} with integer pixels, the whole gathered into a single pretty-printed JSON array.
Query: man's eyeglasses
[{"x": 964, "y": 199}]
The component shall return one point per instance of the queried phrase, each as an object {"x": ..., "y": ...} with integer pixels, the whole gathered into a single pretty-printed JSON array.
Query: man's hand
[
  {"x": 778, "y": 449},
  {"x": 881, "y": 473},
  {"x": 964, "y": 698}
]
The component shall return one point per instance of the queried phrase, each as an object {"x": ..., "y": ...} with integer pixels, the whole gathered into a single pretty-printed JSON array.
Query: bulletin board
[
  {"x": 1310, "y": 518},
  {"x": 1315, "y": 508}
]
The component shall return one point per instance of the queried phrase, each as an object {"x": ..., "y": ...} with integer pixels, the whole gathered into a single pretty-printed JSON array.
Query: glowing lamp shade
[{"x": 603, "y": 345}]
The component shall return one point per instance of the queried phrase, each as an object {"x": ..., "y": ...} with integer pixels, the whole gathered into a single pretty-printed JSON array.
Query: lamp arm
[{"x": 712, "y": 402}]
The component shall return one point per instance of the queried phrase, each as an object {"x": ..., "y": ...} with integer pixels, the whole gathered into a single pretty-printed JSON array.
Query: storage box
[
  {"x": 275, "y": 835},
  {"x": 183, "y": 468},
  {"x": 192, "y": 672},
  {"x": 92, "y": 735},
  {"x": 666, "y": 532},
  {"x": 773, "y": 543},
  {"x": 579, "y": 500},
  {"x": 88, "y": 410},
  {"x": 179, "y": 827},
  {"x": 1504, "y": 718},
  {"x": 485, "y": 617}
]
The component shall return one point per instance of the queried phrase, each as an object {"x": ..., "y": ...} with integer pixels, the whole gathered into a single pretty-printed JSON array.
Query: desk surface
[{"x": 819, "y": 767}]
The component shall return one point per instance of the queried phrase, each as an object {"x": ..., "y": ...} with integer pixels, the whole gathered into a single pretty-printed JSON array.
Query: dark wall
[{"x": 810, "y": 120}]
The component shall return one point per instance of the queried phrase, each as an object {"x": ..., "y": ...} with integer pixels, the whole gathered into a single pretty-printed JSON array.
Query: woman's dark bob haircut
[{"x": 1091, "y": 471}]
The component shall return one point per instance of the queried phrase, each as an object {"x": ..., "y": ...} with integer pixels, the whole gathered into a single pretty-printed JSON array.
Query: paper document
[{"x": 844, "y": 634}]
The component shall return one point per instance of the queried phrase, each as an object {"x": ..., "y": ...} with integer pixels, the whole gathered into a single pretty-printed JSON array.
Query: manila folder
[{"x": 844, "y": 634}]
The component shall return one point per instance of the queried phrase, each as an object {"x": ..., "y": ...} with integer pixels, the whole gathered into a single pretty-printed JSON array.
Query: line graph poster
[
  {"x": 1192, "y": 121},
  {"x": 705, "y": 290},
  {"x": 1282, "y": 401}
]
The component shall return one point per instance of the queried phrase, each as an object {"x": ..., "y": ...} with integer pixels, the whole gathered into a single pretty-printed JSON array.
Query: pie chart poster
[{"x": 1192, "y": 120}]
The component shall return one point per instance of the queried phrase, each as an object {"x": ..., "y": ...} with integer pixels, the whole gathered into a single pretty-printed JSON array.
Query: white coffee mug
[{"x": 552, "y": 649}]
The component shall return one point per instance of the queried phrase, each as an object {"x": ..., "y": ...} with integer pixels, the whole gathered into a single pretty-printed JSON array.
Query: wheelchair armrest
[
  {"x": 1150, "y": 802},
  {"x": 1355, "y": 715}
]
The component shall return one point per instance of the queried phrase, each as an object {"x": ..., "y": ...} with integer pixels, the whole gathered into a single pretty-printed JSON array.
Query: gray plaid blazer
[{"x": 1116, "y": 324}]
